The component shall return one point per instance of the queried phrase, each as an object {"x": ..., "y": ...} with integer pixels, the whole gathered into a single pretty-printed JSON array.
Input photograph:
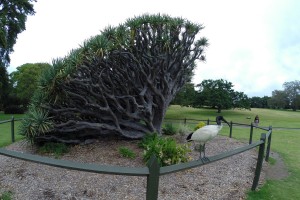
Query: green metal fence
[
  {"x": 152, "y": 171},
  {"x": 12, "y": 122}
]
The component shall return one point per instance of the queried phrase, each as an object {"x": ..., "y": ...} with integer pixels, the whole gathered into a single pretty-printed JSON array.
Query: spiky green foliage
[
  {"x": 36, "y": 122},
  {"x": 121, "y": 81}
]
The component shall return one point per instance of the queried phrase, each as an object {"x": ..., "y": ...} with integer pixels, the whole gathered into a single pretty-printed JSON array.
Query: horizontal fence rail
[
  {"x": 196, "y": 163},
  {"x": 12, "y": 121},
  {"x": 117, "y": 170},
  {"x": 153, "y": 171}
]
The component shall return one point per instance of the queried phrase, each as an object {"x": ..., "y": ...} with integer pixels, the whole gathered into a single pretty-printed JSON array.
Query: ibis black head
[{"x": 221, "y": 118}]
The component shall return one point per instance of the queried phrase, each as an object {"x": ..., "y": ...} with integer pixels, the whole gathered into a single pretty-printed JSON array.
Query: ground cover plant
[
  {"x": 127, "y": 153},
  {"x": 166, "y": 150},
  {"x": 52, "y": 148}
]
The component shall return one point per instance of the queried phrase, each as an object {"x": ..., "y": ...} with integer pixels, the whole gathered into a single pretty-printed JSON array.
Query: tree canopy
[
  {"x": 186, "y": 96},
  {"x": 119, "y": 82},
  {"x": 292, "y": 90},
  {"x": 4, "y": 82},
  {"x": 219, "y": 94},
  {"x": 24, "y": 80},
  {"x": 13, "y": 15}
]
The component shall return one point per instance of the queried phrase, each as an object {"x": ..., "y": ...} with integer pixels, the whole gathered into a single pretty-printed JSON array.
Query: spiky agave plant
[{"x": 36, "y": 123}]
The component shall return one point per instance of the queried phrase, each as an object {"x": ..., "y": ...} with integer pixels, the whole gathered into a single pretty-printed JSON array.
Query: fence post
[
  {"x": 269, "y": 144},
  {"x": 251, "y": 133},
  {"x": 259, "y": 161},
  {"x": 207, "y": 121},
  {"x": 12, "y": 129},
  {"x": 152, "y": 179},
  {"x": 184, "y": 121},
  {"x": 230, "y": 130}
]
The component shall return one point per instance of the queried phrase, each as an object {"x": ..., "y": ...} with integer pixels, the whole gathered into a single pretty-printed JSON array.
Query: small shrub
[
  {"x": 199, "y": 125},
  {"x": 169, "y": 129},
  {"x": 183, "y": 129},
  {"x": 127, "y": 153},
  {"x": 36, "y": 122},
  {"x": 167, "y": 151},
  {"x": 58, "y": 149},
  {"x": 6, "y": 196}
]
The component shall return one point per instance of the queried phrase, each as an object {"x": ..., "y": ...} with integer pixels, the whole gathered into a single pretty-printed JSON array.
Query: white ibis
[{"x": 206, "y": 133}]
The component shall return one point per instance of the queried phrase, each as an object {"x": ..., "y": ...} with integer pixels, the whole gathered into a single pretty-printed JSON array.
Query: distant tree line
[{"x": 219, "y": 94}]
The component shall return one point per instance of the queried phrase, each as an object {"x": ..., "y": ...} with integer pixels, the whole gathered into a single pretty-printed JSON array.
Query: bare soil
[{"x": 278, "y": 170}]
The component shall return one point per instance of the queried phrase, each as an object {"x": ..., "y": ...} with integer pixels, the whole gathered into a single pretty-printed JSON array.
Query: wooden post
[
  {"x": 207, "y": 121},
  {"x": 152, "y": 179},
  {"x": 230, "y": 132},
  {"x": 12, "y": 129},
  {"x": 251, "y": 133},
  {"x": 259, "y": 161},
  {"x": 184, "y": 121},
  {"x": 269, "y": 145}
]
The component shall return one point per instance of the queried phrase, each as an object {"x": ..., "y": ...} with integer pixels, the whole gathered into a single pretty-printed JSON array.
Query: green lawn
[
  {"x": 5, "y": 130},
  {"x": 285, "y": 142}
]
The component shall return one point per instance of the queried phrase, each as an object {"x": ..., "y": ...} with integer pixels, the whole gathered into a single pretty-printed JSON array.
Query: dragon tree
[{"x": 119, "y": 82}]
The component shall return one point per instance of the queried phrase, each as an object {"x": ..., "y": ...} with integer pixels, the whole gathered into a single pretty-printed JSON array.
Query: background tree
[
  {"x": 220, "y": 95},
  {"x": 4, "y": 83},
  {"x": 186, "y": 96},
  {"x": 259, "y": 102},
  {"x": 292, "y": 90},
  {"x": 279, "y": 100},
  {"x": 241, "y": 100},
  {"x": 13, "y": 15},
  {"x": 24, "y": 80},
  {"x": 256, "y": 102},
  {"x": 120, "y": 82}
]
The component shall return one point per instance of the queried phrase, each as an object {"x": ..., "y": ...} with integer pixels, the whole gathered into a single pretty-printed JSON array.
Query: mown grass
[
  {"x": 5, "y": 130},
  {"x": 284, "y": 141}
]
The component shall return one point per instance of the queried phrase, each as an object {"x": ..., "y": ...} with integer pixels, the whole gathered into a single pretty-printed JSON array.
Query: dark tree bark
[{"x": 126, "y": 91}]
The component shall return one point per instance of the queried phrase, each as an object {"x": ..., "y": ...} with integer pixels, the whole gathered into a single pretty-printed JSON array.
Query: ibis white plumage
[{"x": 206, "y": 133}]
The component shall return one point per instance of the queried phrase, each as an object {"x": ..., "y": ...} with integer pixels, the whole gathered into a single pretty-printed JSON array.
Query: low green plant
[
  {"x": 199, "y": 125},
  {"x": 126, "y": 152},
  {"x": 36, "y": 122},
  {"x": 183, "y": 129},
  {"x": 6, "y": 195},
  {"x": 169, "y": 129},
  {"x": 166, "y": 150},
  {"x": 58, "y": 149}
]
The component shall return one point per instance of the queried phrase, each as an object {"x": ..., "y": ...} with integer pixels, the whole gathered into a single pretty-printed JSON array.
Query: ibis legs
[{"x": 202, "y": 149}]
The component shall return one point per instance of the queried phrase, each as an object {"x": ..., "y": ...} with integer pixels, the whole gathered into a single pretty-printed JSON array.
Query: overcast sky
[{"x": 253, "y": 44}]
